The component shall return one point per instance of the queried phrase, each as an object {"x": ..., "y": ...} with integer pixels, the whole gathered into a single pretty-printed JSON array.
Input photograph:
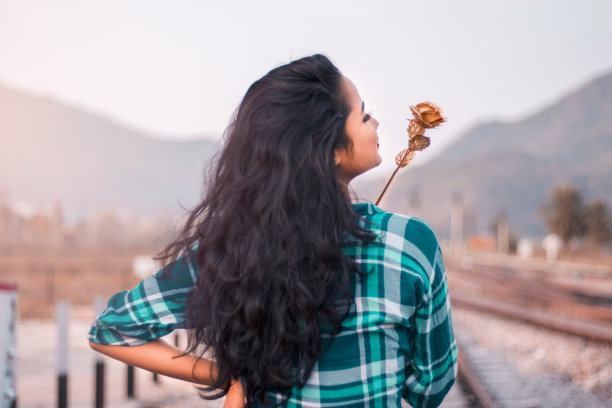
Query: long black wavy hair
[{"x": 270, "y": 232}]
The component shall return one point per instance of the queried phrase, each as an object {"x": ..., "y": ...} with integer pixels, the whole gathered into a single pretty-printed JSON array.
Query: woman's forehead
[{"x": 351, "y": 93}]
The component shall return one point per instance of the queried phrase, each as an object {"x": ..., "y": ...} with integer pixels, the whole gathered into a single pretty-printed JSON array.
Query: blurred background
[{"x": 111, "y": 111}]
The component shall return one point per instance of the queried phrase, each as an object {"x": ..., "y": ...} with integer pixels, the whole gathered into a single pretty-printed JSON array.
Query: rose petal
[{"x": 427, "y": 114}]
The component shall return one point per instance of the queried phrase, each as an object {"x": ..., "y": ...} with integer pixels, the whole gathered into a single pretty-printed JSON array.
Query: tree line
[{"x": 568, "y": 216}]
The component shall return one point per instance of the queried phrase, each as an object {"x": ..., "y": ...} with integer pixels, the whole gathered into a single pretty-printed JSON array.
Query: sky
[{"x": 179, "y": 69}]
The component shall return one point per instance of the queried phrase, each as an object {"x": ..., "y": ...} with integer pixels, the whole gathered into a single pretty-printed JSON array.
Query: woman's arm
[
  {"x": 152, "y": 309},
  {"x": 160, "y": 357},
  {"x": 129, "y": 329}
]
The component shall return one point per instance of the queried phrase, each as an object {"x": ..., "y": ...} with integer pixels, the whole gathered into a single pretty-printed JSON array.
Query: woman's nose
[{"x": 375, "y": 122}]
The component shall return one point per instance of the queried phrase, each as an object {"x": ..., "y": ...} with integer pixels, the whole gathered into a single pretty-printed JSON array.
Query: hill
[{"x": 51, "y": 152}]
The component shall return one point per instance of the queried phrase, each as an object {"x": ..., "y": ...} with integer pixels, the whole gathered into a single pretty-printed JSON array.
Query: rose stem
[
  {"x": 392, "y": 175},
  {"x": 386, "y": 186}
]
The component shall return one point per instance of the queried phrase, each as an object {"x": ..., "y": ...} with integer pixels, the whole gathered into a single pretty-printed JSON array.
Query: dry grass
[{"x": 46, "y": 276}]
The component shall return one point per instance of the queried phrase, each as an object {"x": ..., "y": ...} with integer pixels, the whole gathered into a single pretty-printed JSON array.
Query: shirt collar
[{"x": 365, "y": 208}]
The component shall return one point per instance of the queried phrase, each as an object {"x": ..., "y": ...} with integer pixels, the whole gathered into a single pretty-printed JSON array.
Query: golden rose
[{"x": 428, "y": 114}]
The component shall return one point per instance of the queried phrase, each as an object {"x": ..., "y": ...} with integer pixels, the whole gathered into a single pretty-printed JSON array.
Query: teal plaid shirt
[{"x": 396, "y": 342}]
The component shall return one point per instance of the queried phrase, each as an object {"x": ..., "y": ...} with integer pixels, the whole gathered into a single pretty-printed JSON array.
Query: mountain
[
  {"x": 513, "y": 167},
  {"x": 52, "y": 152}
]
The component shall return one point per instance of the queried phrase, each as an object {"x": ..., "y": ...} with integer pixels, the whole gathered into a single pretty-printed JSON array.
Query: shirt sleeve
[
  {"x": 152, "y": 309},
  {"x": 432, "y": 366}
]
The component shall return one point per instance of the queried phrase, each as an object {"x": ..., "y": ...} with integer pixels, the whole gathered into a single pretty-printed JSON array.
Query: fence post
[
  {"x": 63, "y": 318},
  {"x": 130, "y": 382},
  {"x": 8, "y": 353},
  {"x": 99, "y": 386}
]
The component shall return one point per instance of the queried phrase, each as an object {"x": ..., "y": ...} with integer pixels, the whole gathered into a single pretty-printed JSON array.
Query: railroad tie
[{"x": 500, "y": 379}]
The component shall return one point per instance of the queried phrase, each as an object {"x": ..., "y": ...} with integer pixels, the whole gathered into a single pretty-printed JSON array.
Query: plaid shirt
[{"x": 397, "y": 340}]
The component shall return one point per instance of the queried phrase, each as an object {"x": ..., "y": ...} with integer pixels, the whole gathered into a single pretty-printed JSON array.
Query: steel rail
[
  {"x": 473, "y": 382},
  {"x": 585, "y": 329}
]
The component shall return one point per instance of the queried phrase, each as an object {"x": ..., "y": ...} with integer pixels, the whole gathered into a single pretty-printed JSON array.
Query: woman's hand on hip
[{"x": 235, "y": 396}]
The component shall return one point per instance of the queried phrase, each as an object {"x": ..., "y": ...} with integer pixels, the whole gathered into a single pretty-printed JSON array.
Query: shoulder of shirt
[
  {"x": 410, "y": 228},
  {"x": 370, "y": 211}
]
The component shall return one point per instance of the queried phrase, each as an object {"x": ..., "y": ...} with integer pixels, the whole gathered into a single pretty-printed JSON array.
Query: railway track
[
  {"x": 556, "y": 370},
  {"x": 533, "y": 297},
  {"x": 487, "y": 380},
  {"x": 535, "y": 265},
  {"x": 490, "y": 381}
]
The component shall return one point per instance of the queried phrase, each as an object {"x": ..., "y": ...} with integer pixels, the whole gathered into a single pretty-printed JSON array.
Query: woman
[{"x": 303, "y": 298}]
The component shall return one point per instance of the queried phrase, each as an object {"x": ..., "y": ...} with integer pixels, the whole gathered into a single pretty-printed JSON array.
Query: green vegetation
[{"x": 567, "y": 216}]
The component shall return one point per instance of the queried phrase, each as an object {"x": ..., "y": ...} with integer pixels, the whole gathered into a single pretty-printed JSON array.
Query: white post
[
  {"x": 552, "y": 244},
  {"x": 8, "y": 351}
]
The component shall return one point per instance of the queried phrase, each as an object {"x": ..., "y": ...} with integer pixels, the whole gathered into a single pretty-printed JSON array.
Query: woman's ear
[{"x": 339, "y": 155}]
